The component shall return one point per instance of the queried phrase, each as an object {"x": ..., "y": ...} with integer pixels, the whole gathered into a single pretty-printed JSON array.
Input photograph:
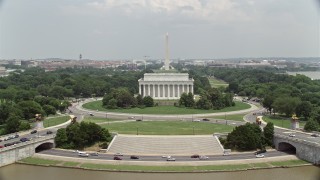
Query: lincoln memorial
[{"x": 165, "y": 85}]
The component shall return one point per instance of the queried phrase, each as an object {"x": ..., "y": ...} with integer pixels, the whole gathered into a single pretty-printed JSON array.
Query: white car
[
  {"x": 226, "y": 154},
  {"x": 292, "y": 135},
  {"x": 203, "y": 157},
  {"x": 196, "y": 120},
  {"x": 166, "y": 156},
  {"x": 259, "y": 156},
  {"x": 171, "y": 159},
  {"x": 83, "y": 154}
]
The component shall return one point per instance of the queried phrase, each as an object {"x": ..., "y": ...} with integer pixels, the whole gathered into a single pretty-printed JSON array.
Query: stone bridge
[
  {"x": 305, "y": 150},
  {"x": 11, "y": 154}
]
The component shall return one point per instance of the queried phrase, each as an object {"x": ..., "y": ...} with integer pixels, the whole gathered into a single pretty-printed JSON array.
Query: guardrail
[
  {"x": 34, "y": 140},
  {"x": 294, "y": 139}
]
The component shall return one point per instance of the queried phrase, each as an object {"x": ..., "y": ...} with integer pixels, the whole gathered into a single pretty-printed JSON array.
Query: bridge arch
[
  {"x": 44, "y": 146},
  {"x": 287, "y": 147}
]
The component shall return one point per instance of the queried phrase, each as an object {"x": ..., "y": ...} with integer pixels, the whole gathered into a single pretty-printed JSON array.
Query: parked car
[
  {"x": 259, "y": 156},
  {"x": 171, "y": 159},
  {"x": 261, "y": 151},
  {"x": 118, "y": 154},
  {"x": 195, "y": 156},
  {"x": 134, "y": 157},
  {"x": 315, "y": 135},
  {"x": 24, "y": 139},
  {"x": 49, "y": 132},
  {"x": 33, "y": 132},
  {"x": 205, "y": 119},
  {"x": 203, "y": 157},
  {"x": 117, "y": 158}
]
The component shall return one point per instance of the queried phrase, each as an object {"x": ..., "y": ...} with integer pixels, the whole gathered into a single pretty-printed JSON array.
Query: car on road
[
  {"x": 315, "y": 135},
  {"x": 118, "y": 154},
  {"x": 131, "y": 117},
  {"x": 292, "y": 135},
  {"x": 171, "y": 159},
  {"x": 94, "y": 154},
  {"x": 117, "y": 158},
  {"x": 24, "y": 139},
  {"x": 16, "y": 136},
  {"x": 196, "y": 120},
  {"x": 166, "y": 156},
  {"x": 205, "y": 119},
  {"x": 33, "y": 132},
  {"x": 195, "y": 156},
  {"x": 1, "y": 146},
  {"x": 203, "y": 157},
  {"x": 91, "y": 114},
  {"x": 138, "y": 119},
  {"x": 260, "y": 156},
  {"x": 226, "y": 154},
  {"x": 134, "y": 157},
  {"x": 83, "y": 154},
  {"x": 260, "y": 152},
  {"x": 49, "y": 132}
]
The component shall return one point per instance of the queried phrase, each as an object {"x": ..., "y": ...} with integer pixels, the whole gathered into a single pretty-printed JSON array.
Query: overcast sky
[{"x": 132, "y": 29}]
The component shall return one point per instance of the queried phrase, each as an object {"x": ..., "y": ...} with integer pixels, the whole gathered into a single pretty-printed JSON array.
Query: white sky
[{"x": 132, "y": 29}]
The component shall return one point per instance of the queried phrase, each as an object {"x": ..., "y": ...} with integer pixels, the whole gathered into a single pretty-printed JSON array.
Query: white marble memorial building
[{"x": 165, "y": 85}]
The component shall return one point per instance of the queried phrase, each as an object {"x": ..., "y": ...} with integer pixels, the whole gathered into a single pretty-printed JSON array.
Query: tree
[
  {"x": 12, "y": 124},
  {"x": 311, "y": 125},
  {"x": 268, "y": 132},
  {"x": 204, "y": 103},
  {"x": 245, "y": 137},
  {"x": 148, "y": 101},
  {"x": 61, "y": 138},
  {"x": 49, "y": 110},
  {"x": 186, "y": 100},
  {"x": 286, "y": 105},
  {"x": 122, "y": 96},
  {"x": 30, "y": 108},
  {"x": 139, "y": 100},
  {"x": 304, "y": 109},
  {"x": 267, "y": 102}
]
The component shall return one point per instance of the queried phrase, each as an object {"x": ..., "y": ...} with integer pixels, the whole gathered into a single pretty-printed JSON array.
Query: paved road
[{"x": 249, "y": 155}]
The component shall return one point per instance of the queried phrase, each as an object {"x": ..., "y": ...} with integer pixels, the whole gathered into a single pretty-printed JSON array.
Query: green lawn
[
  {"x": 231, "y": 167},
  {"x": 167, "y": 128},
  {"x": 234, "y": 117},
  {"x": 281, "y": 122},
  {"x": 55, "y": 121},
  {"x": 217, "y": 82},
  {"x": 164, "y": 109}
]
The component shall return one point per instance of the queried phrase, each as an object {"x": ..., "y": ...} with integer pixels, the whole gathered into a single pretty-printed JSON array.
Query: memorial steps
[{"x": 166, "y": 145}]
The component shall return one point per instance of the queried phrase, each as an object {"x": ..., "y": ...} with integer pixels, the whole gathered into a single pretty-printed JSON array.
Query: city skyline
[{"x": 122, "y": 29}]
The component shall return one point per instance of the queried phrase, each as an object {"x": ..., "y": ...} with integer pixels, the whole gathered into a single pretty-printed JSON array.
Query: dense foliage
[
  {"x": 80, "y": 135},
  {"x": 249, "y": 137}
]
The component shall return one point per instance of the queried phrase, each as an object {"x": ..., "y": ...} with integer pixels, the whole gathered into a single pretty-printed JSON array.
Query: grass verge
[
  {"x": 281, "y": 122},
  {"x": 231, "y": 167},
  {"x": 97, "y": 105},
  {"x": 55, "y": 121},
  {"x": 99, "y": 120}
]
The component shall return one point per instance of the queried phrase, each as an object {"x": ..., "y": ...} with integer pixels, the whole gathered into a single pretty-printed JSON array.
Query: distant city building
[{"x": 165, "y": 85}]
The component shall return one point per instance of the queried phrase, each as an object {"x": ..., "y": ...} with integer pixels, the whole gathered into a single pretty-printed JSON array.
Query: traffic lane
[
  {"x": 29, "y": 136},
  {"x": 160, "y": 158}
]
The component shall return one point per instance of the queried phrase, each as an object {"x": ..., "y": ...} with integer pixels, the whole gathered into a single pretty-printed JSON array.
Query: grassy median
[{"x": 231, "y": 167}]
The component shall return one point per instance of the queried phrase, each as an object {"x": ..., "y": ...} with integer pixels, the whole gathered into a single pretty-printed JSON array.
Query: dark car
[
  {"x": 134, "y": 157},
  {"x": 8, "y": 144},
  {"x": 33, "y": 132},
  {"x": 16, "y": 136},
  {"x": 205, "y": 119},
  {"x": 91, "y": 114},
  {"x": 261, "y": 151},
  {"x": 1, "y": 146},
  {"x": 138, "y": 119},
  {"x": 94, "y": 154},
  {"x": 315, "y": 135},
  {"x": 24, "y": 139},
  {"x": 195, "y": 156},
  {"x": 49, "y": 132},
  {"x": 117, "y": 158}
]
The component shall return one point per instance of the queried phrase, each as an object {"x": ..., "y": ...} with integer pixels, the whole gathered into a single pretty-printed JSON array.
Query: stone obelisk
[{"x": 166, "y": 62}]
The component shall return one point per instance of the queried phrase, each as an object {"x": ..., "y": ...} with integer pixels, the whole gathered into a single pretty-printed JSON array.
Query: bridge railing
[
  {"x": 34, "y": 140},
  {"x": 294, "y": 139}
]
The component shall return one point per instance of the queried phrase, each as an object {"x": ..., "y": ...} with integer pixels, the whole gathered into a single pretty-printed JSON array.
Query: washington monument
[{"x": 166, "y": 62}]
